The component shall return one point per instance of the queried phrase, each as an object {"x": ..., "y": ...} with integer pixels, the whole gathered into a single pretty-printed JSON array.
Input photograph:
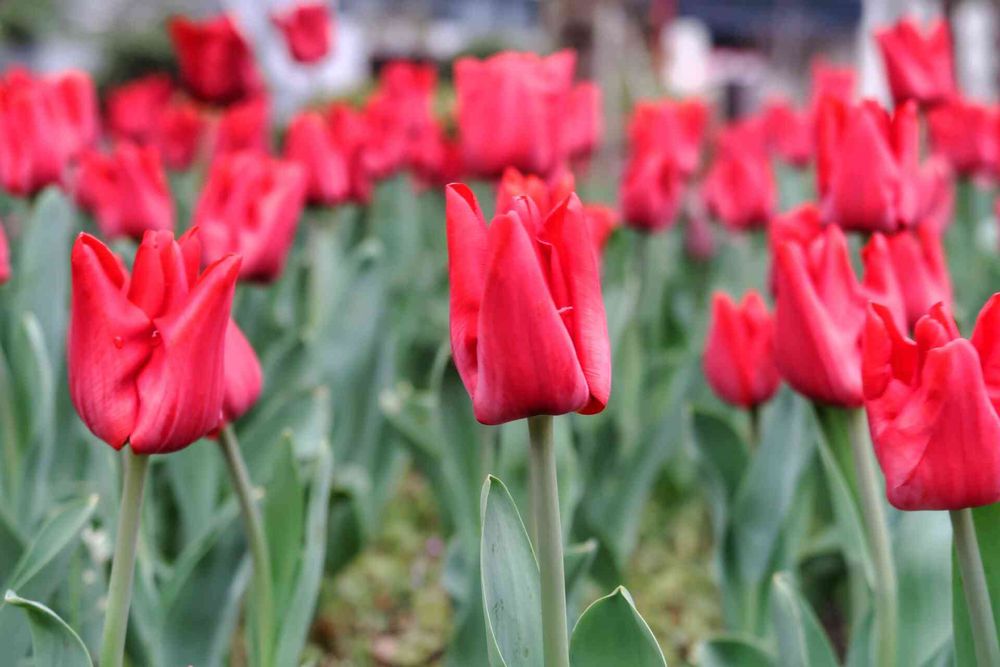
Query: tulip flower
[
  {"x": 399, "y": 117},
  {"x": 146, "y": 352},
  {"x": 510, "y": 110},
  {"x": 242, "y": 126},
  {"x": 867, "y": 165},
  {"x": 250, "y": 206},
  {"x": 932, "y": 408},
  {"x": 820, "y": 313},
  {"x": 739, "y": 350},
  {"x": 180, "y": 133},
  {"x": 789, "y": 132},
  {"x": 126, "y": 191},
  {"x": 918, "y": 62},
  {"x": 215, "y": 60},
  {"x": 739, "y": 188},
  {"x": 328, "y": 166},
  {"x": 651, "y": 191},
  {"x": 584, "y": 126},
  {"x": 966, "y": 135},
  {"x": 528, "y": 329},
  {"x": 4, "y": 257},
  {"x": 919, "y": 261},
  {"x": 830, "y": 80},
  {"x": 44, "y": 123},
  {"x": 308, "y": 30},
  {"x": 133, "y": 109},
  {"x": 672, "y": 128}
]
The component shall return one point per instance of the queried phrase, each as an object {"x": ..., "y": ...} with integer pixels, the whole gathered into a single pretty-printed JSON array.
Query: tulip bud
[
  {"x": 918, "y": 62},
  {"x": 134, "y": 108},
  {"x": 307, "y": 29},
  {"x": 739, "y": 350},
  {"x": 215, "y": 60}
]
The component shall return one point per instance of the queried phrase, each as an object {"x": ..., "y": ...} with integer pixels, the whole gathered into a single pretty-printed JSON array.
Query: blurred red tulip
[
  {"x": 44, "y": 123},
  {"x": 932, "y": 408},
  {"x": 242, "y": 126},
  {"x": 919, "y": 261},
  {"x": 918, "y": 62},
  {"x": 675, "y": 128},
  {"x": 308, "y": 30},
  {"x": 739, "y": 350},
  {"x": 937, "y": 195},
  {"x": 250, "y": 206},
  {"x": 350, "y": 131},
  {"x": 830, "y": 80},
  {"x": 967, "y": 135},
  {"x": 789, "y": 132},
  {"x": 739, "y": 188},
  {"x": 126, "y": 190},
  {"x": 820, "y": 313},
  {"x": 602, "y": 221},
  {"x": 528, "y": 329},
  {"x": 146, "y": 353},
  {"x": 310, "y": 143},
  {"x": 399, "y": 117},
  {"x": 180, "y": 134},
  {"x": 215, "y": 60},
  {"x": 134, "y": 108},
  {"x": 651, "y": 191},
  {"x": 511, "y": 111},
  {"x": 583, "y": 128},
  {"x": 867, "y": 165}
]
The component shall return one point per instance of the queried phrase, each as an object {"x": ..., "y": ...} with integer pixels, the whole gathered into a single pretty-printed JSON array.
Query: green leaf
[
  {"x": 722, "y": 456},
  {"x": 53, "y": 538},
  {"x": 54, "y": 642},
  {"x": 800, "y": 637},
  {"x": 510, "y": 581},
  {"x": 987, "y": 521},
  {"x": 732, "y": 652},
  {"x": 612, "y": 633},
  {"x": 922, "y": 549},
  {"x": 577, "y": 561}
]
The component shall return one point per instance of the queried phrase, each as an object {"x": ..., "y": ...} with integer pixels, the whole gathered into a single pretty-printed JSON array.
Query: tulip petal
[
  {"x": 244, "y": 377},
  {"x": 181, "y": 389},
  {"x": 108, "y": 343},
  {"x": 527, "y": 362},
  {"x": 467, "y": 254}
]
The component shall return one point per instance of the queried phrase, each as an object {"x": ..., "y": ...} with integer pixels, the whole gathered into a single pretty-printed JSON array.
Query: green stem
[
  {"x": 873, "y": 512},
  {"x": 548, "y": 533},
  {"x": 263, "y": 597},
  {"x": 754, "y": 415},
  {"x": 977, "y": 595},
  {"x": 123, "y": 565}
]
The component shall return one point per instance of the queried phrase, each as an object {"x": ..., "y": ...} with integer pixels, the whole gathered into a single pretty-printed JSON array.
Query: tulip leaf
[
  {"x": 612, "y": 633},
  {"x": 54, "y": 642},
  {"x": 577, "y": 562},
  {"x": 732, "y": 652},
  {"x": 510, "y": 581},
  {"x": 987, "y": 522},
  {"x": 800, "y": 637},
  {"x": 53, "y": 538},
  {"x": 922, "y": 550}
]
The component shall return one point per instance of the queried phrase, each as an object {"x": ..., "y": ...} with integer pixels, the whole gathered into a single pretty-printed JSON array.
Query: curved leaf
[
  {"x": 611, "y": 633},
  {"x": 801, "y": 640},
  {"x": 732, "y": 652},
  {"x": 54, "y": 642}
]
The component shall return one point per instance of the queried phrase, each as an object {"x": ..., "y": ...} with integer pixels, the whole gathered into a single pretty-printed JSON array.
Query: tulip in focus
[
  {"x": 921, "y": 266},
  {"x": 511, "y": 111},
  {"x": 215, "y": 60},
  {"x": 250, "y": 206},
  {"x": 868, "y": 165},
  {"x": 932, "y": 408},
  {"x": 528, "y": 329},
  {"x": 918, "y": 62},
  {"x": 739, "y": 350},
  {"x": 146, "y": 352},
  {"x": 307, "y": 29},
  {"x": 820, "y": 313},
  {"x": 126, "y": 191}
]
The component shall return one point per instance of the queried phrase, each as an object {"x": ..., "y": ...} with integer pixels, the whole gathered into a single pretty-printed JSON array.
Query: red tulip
[
  {"x": 584, "y": 122},
  {"x": 511, "y": 111},
  {"x": 528, "y": 329},
  {"x": 672, "y": 128},
  {"x": 919, "y": 261},
  {"x": 937, "y": 195},
  {"x": 739, "y": 350},
  {"x": 789, "y": 132},
  {"x": 820, "y": 313},
  {"x": 932, "y": 408},
  {"x": 242, "y": 127},
  {"x": 351, "y": 134},
  {"x": 918, "y": 62},
  {"x": 180, "y": 133},
  {"x": 602, "y": 221},
  {"x": 651, "y": 191},
  {"x": 310, "y": 143},
  {"x": 215, "y": 60},
  {"x": 867, "y": 165},
  {"x": 436, "y": 159},
  {"x": 250, "y": 206},
  {"x": 44, "y": 122},
  {"x": 4, "y": 257},
  {"x": 830, "y": 80},
  {"x": 967, "y": 135},
  {"x": 739, "y": 188},
  {"x": 308, "y": 30},
  {"x": 126, "y": 191},
  {"x": 146, "y": 353},
  {"x": 133, "y": 109},
  {"x": 399, "y": 116},
  {"x": 244, "y": 378}
]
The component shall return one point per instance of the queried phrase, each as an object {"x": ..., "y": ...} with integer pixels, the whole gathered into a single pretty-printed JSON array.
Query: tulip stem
[
  {"x": 977, "y": 595},
  {"x": 123, "y": 565},
  {"x": 873, "y": 511},
  {"x": 263, "y": 596},
  {"x": 548, "y": 541}
]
